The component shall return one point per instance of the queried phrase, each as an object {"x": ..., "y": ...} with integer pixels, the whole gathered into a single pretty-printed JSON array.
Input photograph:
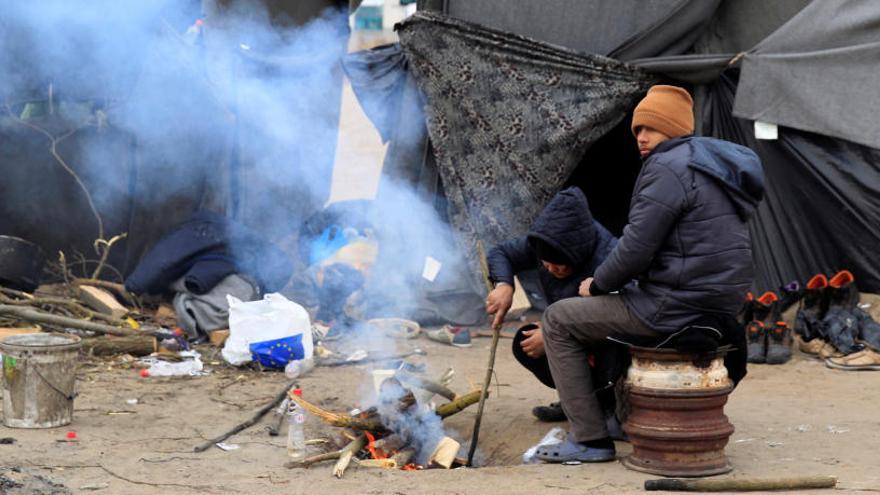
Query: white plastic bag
[
  {"x": 274, "y": 318},
  {"x": 554, "y": 436}
]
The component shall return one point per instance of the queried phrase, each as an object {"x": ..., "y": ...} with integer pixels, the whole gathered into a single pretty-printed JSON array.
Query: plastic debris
[
  {"x": 190, "y": 366},
  {"x": 554, "y": 436}
]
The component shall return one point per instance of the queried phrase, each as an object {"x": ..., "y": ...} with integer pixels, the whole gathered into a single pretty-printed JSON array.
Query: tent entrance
[{"x": 607, "y": 173}]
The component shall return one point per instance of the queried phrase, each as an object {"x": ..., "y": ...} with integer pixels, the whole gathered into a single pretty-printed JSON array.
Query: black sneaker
[{"x": 549, "y": 414}]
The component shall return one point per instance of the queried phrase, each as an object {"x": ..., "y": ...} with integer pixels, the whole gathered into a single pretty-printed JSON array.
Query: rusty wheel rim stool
[{"x": 676, "y": 420}]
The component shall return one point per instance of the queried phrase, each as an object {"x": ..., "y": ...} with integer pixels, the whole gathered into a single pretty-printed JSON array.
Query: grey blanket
[{"x": 202, "y": 313}]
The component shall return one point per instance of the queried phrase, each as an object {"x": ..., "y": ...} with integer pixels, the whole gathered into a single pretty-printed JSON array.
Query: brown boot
[
  {"x": 829, "y": 351},
  {"x": 811, "y": 347}
]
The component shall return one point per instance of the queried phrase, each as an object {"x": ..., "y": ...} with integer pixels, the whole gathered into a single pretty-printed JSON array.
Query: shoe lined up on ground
[
  {"x": 452, "y": 335},
  {"x": 769, "y": 338},
  {"x": 831, "y": 325}
]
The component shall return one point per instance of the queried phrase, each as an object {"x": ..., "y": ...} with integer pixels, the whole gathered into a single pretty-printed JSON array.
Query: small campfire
[{"x": 400, "y": 432}]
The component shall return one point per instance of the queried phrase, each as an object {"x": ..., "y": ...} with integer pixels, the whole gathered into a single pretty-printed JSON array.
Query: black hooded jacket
[
  {"x": 566, "y": 224},
  {"x": 687, "y": 243}
]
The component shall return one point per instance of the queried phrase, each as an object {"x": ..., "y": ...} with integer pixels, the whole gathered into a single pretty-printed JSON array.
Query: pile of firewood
[
  {"x": 399, "y": 432},
  {"x": 90, "y": 308}
]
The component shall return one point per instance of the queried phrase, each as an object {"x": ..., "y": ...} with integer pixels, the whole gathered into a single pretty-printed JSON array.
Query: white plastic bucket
[{"x": 39, "y": 375}]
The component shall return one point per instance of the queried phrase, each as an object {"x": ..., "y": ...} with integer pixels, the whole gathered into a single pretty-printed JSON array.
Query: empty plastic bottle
[
  {"x": 296, "y": 437},
  {"x": 299, "y": 367}
]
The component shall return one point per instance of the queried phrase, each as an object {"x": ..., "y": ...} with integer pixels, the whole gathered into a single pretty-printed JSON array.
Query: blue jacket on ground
[
  {"x": 566, "y": 224},
  {"x": 687, "y": 243}
]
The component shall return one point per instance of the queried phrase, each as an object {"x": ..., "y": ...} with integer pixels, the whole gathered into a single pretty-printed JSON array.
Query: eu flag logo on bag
[{"x": 277, "y": 353}]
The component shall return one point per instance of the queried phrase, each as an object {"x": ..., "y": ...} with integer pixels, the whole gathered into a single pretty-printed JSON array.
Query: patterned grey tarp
[{"x": 509, "y": 118}]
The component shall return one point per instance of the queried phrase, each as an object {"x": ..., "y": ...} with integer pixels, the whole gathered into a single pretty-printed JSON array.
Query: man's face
[
  {"x": 648, "y": 138},
  {"x": 558, "y": 271}
]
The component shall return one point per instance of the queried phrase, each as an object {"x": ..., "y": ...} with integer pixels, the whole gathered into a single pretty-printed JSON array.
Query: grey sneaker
[{"x": 452, "y": 335}]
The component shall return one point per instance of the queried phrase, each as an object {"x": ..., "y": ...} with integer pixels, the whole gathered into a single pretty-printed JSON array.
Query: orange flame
[
  {"x": 411, "y": 467},
  {"x": 371, "y": 446}
]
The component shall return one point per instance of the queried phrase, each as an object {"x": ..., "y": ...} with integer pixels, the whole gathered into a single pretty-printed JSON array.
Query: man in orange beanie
[{"x": 685, "y": 255}]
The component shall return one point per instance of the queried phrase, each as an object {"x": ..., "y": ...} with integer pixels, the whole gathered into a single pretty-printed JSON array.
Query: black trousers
[{"x": 540, "y": 367}]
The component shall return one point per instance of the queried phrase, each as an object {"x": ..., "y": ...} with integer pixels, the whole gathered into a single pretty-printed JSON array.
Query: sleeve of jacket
[
  {"x": 658, "y": 202},
  {"x": 508, "y": 258}
]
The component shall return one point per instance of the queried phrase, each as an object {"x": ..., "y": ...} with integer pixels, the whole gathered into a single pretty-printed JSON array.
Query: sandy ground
[{"x": 796, "y": 419}]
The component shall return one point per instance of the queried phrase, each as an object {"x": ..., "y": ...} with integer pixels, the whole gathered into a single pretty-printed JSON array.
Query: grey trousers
[{"x": 572, "y": 329}]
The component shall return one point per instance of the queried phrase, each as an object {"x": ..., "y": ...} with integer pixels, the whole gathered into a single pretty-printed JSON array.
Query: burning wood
[
  {"x": 444, "y": 454},
  {"x": 346, "y": 455},
  {"x": 397, "y": 433}
]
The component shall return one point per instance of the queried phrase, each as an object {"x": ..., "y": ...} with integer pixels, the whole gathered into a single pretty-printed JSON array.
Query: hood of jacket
[
  {"x": 567, "y": 224},
  {"x": 735, "y": 166}
]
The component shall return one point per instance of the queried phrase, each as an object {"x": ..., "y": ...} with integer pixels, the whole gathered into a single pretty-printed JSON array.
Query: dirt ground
[{"x": 800, "y": 418}]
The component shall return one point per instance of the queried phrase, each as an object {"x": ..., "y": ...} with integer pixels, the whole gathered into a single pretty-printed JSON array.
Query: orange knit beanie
[{"x": 668, "y": 109}]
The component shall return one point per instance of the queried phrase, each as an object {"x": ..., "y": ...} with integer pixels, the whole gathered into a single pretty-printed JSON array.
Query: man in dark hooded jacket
[
  {"x": 566, "y": 245},
  {"x": 684, "y": 255}
]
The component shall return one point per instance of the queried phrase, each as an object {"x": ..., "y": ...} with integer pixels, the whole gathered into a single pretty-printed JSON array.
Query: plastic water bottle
[
  {"x": 193, "y": 34},
  {"x": 296, "y": 437},
  {"x": 299, "y": 367}
]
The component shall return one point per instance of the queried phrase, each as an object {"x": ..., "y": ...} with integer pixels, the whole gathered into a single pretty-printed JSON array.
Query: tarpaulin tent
[
  {"x": 156, "y": 125},
  {"x": 807, "y": 67}
]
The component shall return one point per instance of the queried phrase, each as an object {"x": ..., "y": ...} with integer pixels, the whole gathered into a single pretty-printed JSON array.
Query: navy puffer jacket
[
  {"x": 687, "y": 243},
  {"x": 567, "y": 224}
]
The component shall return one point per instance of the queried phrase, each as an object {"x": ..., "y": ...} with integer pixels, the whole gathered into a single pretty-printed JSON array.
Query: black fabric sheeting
[
  {"x": 822, "y": 202},
  {"x": 637, "y": 24}
]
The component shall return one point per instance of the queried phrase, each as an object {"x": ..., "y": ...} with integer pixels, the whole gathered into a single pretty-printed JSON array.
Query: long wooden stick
[
  {"x": 58, "y": 301},
  {"x": 334, "y": 419},
  {"x": 741, "y": 485},
  {"x": 490, "y": 369},
  {"x": 249, "y": 422},
  {"x": 308, "y": 461},
  {"x": 459, "y": 404},
  {"x": 345, "y": 421},
  {"x": 138, "y": 345},
  {"x": 36, "y": 316}
]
